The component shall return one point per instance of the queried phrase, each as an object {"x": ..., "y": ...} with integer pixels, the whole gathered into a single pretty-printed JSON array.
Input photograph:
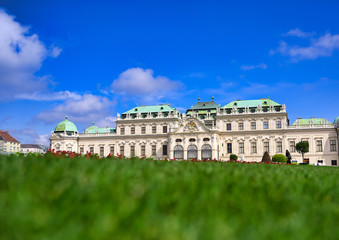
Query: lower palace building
[{"x": 207, "y": 130}]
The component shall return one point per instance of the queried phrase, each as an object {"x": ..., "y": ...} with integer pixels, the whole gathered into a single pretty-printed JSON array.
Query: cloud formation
[
  {"x": 318, "y": 47},
  {"x": 86, "y": 109},
  {"x": 296, "y": 32},
  {"x": 251, "y": 67},
  {"x": 30, "y": 135},
  {"x": 138, "y": 81},
  {"x": 21, "y": 56},
  {"x": 53, "y": 96}
]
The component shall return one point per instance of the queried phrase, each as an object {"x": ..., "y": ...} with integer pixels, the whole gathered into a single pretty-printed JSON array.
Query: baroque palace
[{"x": 207, "y": 130}]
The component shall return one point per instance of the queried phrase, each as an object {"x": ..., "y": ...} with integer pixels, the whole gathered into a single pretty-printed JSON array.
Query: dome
[
  {"x": 91, "y": 129},
  {"x": 336, "y": 121},
  {"x": 66, "y": 126}
]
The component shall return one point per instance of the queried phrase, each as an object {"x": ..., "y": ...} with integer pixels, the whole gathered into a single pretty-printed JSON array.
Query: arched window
[
  {"x": 206, "y": 151},
  {"x": 178, "y": 152},
  {"x": 192, "y": 152}
]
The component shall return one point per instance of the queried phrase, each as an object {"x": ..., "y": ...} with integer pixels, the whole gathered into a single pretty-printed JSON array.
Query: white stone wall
[{"x": 178, "y": 128}]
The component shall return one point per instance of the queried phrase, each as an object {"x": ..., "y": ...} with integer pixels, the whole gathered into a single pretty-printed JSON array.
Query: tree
[
  {"x": 266, "y": 157},
  {"x": 302, "y": 147},
  {"x": 288, "y": 156},
  {"x": 233, "y": 157},
  {"x": 279, "y": 158}
]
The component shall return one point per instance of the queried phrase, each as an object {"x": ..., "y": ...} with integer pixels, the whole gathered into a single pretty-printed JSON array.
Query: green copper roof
[
  {"x": 67, "y": 126},
  {"x": 152, "y": 109},
  {"x": 336, "y": 120},
  {"x": 252, "y": 103},
  {"x": 314, "y": 121},
  {"x": 204, "y": 105},
  {"x": 91, "y": 128},
  {"x": 99, "y": 130}
]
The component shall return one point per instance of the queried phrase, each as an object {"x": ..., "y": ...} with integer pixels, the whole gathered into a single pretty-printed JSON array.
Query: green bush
[
  {"x": 233, "y": 157},
  {"x": 279, "y": 158}
]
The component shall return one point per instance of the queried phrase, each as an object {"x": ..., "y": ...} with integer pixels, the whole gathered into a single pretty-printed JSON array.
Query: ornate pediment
[{"x": 191, "y": 126}]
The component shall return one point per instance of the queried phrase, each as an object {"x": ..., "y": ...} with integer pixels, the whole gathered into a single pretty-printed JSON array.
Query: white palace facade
[{"x": 207, "y": 130}]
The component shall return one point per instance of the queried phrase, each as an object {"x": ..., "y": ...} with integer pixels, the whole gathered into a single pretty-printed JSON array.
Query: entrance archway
[
  {"x": 178, "y": 152},
  {"x": 206, "y": 151},
  {"x": 192, "y": 152}
]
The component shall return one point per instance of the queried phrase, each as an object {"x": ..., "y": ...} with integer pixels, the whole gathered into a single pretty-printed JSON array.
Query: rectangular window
[
  {"x": 266, "y": 125},
  {"x": 253, "y": 126},
  {"x": 81, "y": 150},
  {"x": 319, "y": 146},
  {"x": 279, "y": 147},
  {"x": 229, "y": 147},
  {"x": 143, "y": 130},
  {"x": 241, "y": 148},
  {"x": 334, "y": 162},
  {"x": 132, "y": 130},
  {"x": 228, "y": 127},
  {"x": 122, "y": 150},
  {"x": 143, "y": 150},
  {"x": 278, "y": 124},
  {"x": 164, "y": 150},
  {"x": 164, "y": 130},
  {"x": 111, "y": 150},
  {"x": 154, "y": 129},
  {"x": 304, "y": 139},
  {"x": 122, "y": 131},
  {"x": 241, "y": 126},
  {"x": 320, "y": 162},
  {"x": 91, "y": 150},
  {"x": 333, "y": 146},
  {"x": 292, "y": 146},
  {"x": 154, "y": 150},
  {"x": 253, "y": 147},
  {"x": 69, "y": 149},
  {"x": 132, "y": 151},
  {"x": 101, "y": 151},
  {"x": 266, "y": 147}
]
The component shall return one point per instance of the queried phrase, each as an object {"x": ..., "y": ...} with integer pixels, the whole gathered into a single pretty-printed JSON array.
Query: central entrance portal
[{"x": 192, "y": 152}]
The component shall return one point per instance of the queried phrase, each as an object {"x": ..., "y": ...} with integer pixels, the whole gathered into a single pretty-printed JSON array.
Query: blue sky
[{"x": 92, "y": 59}]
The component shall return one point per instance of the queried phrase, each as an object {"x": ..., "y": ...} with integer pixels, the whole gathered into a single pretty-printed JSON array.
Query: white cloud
[
  {"x": 138, "y": 81},
  {"x": 87, "y": 109},
  {"x": 21, "y": 56},
  {"x": 319, "y": 47},
  {"x": 299, "y": 33},
  {"x": 53, "y": 96},
  {"x": 30, "y": 135},
  {"x": 106, "y": 121},
  {"x": 55, "y": 51},
  {"x": 251, "y": 67}
]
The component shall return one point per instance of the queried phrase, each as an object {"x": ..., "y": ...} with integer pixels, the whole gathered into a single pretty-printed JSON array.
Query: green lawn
[{"x": 61, "y": 198}]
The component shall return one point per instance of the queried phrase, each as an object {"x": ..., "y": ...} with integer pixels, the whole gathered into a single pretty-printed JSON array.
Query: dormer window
[
  {"x": 265, "y": 102},
  {"x": 161, "y": 108},
  {"x": 204, "y": 105},
  {"x": 235, "y": 104},
  {"x": 136, "y": 109}
]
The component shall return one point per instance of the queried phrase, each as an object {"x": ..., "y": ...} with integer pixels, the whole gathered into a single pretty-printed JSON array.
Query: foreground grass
[{"x": 55, "y": 198}]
